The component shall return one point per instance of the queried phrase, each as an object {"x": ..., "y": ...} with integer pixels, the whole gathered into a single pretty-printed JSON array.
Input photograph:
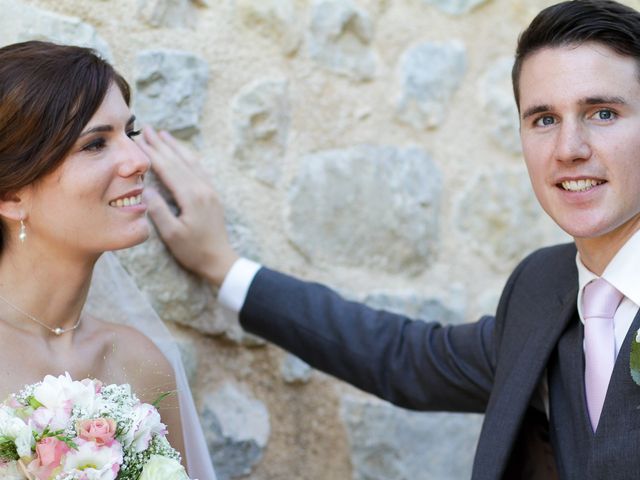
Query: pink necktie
[{"x": 599, "y": 303}]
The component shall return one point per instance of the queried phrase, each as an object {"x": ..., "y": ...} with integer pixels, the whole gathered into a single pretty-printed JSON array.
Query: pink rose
[
  {"x": 99, "y": 430},
  {"x": 49, "y": 454}
]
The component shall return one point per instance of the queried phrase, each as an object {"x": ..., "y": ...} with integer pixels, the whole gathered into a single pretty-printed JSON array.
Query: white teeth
[
  {"x": 580, "y": 185},
  {"x": 126, "y": 202}
]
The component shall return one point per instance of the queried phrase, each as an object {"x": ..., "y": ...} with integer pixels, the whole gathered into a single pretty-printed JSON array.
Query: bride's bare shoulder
[
  {"x": 135, "y": 354},
  {"x": 125, "y": 334}
]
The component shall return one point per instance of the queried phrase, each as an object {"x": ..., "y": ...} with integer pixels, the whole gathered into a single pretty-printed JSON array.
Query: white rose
[
  {"x": 163, "y": 468},
  {"x": 146, "y": 423}
]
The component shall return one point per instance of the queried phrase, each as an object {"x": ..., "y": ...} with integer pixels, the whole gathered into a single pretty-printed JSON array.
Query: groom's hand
[{"x": 196, "y": 236}]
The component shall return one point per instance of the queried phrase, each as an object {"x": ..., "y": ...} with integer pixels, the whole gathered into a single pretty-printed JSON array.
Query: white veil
[{"x": 114, "y": 291}]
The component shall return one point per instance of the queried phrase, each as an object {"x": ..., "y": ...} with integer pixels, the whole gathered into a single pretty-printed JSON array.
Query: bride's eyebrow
[{"x": 105, "y": 128}]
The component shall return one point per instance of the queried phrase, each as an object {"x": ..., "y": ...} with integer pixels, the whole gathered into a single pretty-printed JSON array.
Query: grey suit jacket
[{"x": 493, "y": 365}]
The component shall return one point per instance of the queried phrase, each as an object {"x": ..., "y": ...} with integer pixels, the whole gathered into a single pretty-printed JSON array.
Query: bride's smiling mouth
[{"x": 130, "y": 199}]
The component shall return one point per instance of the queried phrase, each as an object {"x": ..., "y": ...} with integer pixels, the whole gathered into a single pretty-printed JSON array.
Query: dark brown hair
[
  {"x": 48, "y": 94},
  {"x": 606, "y": 22}
]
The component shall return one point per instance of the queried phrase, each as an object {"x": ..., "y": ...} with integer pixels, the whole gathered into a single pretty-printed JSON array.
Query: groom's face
[{"x": 580, "y": 131}]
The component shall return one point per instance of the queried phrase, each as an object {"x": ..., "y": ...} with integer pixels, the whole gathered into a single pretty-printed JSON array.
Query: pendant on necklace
[{"x": 58, "y": 331}]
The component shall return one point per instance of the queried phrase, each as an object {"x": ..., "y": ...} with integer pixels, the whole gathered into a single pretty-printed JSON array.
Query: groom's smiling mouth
[{"x": 581, "y": 185}]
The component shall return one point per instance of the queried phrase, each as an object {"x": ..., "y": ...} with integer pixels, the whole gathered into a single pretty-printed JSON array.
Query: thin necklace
[{"x": 56, "y": 331}]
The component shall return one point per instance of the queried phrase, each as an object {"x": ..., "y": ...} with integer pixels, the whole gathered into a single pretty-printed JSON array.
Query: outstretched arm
[
  {"x": 196, "y": 236},
  {"x": 411, "y": 363}
]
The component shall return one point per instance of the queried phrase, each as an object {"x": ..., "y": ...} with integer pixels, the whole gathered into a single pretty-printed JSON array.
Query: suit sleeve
[{"x": 413, "y": 364}]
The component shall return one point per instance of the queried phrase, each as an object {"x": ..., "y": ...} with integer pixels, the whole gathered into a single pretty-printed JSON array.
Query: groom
[{"x": 551, "y": 368}]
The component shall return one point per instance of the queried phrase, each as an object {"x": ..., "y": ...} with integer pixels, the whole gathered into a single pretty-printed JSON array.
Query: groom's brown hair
[{"x": 575, "y": 22}]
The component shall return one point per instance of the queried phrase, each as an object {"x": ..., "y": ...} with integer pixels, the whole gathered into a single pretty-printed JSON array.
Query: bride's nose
[{"x": 132, "y": 160}]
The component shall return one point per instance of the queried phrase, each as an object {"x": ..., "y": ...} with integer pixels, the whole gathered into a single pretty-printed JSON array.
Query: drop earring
[{"x": 22, "y": 236}]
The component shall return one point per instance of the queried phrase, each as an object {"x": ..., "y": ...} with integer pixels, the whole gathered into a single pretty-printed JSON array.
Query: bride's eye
[
  {"x": 95, "y": 145},
  {"x": 133, "y": 133}
]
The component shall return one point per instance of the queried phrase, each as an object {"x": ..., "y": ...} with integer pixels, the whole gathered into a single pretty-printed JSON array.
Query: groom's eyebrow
[
  {"x": 535, "y": 110},
  {"x": 105, "y": 128}
]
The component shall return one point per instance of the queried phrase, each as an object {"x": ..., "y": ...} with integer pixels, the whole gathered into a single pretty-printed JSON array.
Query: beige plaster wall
[{"x": 328, "y": 110}]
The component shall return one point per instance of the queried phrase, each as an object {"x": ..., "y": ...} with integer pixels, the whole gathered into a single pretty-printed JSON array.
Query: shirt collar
[{"x": 622, "y": 272}]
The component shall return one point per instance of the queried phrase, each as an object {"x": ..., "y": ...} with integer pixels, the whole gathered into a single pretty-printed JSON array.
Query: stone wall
[{"x": 368, "y": 144}]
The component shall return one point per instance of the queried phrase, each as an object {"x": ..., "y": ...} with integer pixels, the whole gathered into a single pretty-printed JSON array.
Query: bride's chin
[
  {"x": 134, "y": 238},
  {"x": 142, "y": 237}
]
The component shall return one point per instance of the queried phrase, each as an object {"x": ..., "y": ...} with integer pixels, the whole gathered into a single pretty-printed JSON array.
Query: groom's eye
[{"x": 544, "y": 121}]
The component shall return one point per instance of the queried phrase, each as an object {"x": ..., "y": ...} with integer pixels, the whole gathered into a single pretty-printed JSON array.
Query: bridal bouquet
[{"x": 61, "y": 429}]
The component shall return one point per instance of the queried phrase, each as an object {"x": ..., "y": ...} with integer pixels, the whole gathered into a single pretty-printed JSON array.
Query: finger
[
  {"x": 194, "y": 170},
  {"x": 176, "y": 159},
  {"x": 172, "y": 168},
  {"x": 156, "y": 143},
  {"x": 184, "y": 152},
  {"x": 164, "y": 220},
  {"x": 167, "y": 170}
]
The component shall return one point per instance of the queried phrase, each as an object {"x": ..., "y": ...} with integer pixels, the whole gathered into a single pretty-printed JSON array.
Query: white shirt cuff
[{"x": 235, "y": 286}]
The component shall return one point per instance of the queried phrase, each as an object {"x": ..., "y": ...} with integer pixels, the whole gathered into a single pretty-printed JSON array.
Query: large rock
[
  {"x": 168, "y": 13},
  {"x": 260, "y": 121},
  {"x": 340, "y": 38},
  {"x": 20, "y": 22},
  {"x": 390, "y": 443},
  {"x": 500, "y": 215},
  {"x": 496, "y": 96},
  {"x": 455, "y": 7},
  {"x": 429, "y": 74},
  {"x": 366, "y": 206},
  {"x": 237, "y": 430},
  {"x": 171, "y": 90},
  {"x": 279, "y": 19}
]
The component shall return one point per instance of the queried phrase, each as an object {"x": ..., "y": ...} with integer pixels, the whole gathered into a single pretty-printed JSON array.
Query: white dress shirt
[{"x": 235, "y": 286}]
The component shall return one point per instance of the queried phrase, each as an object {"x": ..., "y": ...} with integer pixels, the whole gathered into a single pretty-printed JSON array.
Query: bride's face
[{"x": 92, "y": 202}]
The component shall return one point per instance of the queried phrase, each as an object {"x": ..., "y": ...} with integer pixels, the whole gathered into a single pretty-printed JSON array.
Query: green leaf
[
  {"x": 8, "y": 450},
  {"x": 69, "y": 441},
  {"x": 635, "y": 361},
  {"x": 161, "y": 397},
  {"x": 33, "y": 403}
]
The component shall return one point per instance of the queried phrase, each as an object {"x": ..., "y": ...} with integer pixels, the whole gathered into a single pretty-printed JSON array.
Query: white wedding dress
[{"x": 114, "y": 291}]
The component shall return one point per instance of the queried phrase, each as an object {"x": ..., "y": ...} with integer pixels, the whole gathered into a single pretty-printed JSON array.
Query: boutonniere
[{"x": 634, "y": 361}]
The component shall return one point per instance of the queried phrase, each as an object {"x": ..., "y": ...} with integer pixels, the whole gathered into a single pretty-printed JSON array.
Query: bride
[{"x": 71, "y": 183}]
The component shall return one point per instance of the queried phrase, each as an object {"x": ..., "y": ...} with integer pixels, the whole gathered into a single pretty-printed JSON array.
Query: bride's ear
[{"x": 14, "y": 205}]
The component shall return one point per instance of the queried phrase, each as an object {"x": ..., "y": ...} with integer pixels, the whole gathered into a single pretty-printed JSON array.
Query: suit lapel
[
  {"x": 623, "y": 394},
  {"x": 530, "y": 336}
]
